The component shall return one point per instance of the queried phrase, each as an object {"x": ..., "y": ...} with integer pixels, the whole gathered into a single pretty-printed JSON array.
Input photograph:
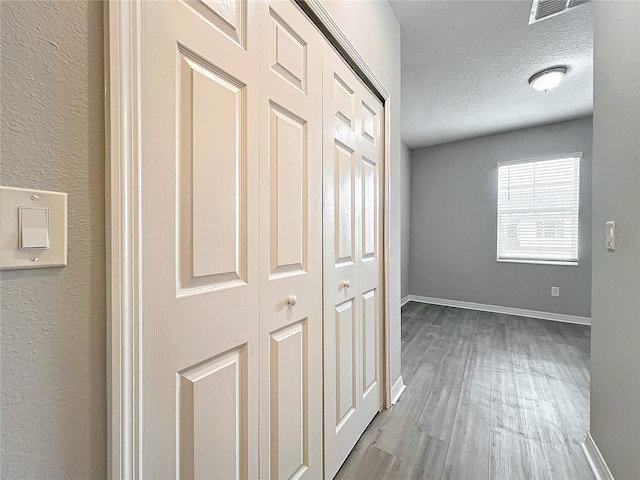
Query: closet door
[
  {"x": 291, "y": 244},
  {"x": 353, "y": 341},
  {"x": 196, "y": 339}
]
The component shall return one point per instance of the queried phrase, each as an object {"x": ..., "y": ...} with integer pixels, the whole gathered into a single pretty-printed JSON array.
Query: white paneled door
[
  {"x": 353, "y": 261},
  {"x": 259, "y": 255},
  {"x": 291, "y": 244},
  {"x": 197, "y": 404}
]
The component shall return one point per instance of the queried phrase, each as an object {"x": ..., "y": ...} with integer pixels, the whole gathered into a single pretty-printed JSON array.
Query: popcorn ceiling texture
[
  {"x": 466, "y": 66},
  {"x": 53, "y": 320}
]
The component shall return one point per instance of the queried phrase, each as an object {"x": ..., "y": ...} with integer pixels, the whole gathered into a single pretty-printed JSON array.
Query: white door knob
[
  {"x": 292, "y": 300},
  {"x": 346, "y": 284}
]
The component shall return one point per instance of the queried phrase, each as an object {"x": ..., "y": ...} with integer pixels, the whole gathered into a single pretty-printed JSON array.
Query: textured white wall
[
  {"x": 615, "y": 301},
  {"x": 53, "y": 320},
  {"x": 372, "y": 27}
]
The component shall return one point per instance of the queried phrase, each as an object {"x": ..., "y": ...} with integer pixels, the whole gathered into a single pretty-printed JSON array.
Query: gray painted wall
[
  {"x": 454, "y": 215},
  {"x": 405, "y": 227},
  {"x": 53, "y": 320},
  {"x": 615, "y": 331}
]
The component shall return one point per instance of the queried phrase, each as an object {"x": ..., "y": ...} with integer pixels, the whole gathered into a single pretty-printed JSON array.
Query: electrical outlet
[{"x": 555, "y": 291}]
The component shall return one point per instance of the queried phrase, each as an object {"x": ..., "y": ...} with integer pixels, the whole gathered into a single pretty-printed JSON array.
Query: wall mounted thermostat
[
  {"x": 611, "y": 235},
  {"x": 33, "y": 228}
]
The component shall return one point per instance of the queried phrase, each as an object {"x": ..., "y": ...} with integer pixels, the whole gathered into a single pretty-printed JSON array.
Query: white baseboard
[
  {"x": 397, "y": 390},
  {"x": 520, "y": 312},
  {"x": 595, "y": 459},
  {"x": 404, "y": 300}
]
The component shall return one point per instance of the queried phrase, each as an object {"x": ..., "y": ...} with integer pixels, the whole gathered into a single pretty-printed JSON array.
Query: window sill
[{"x": 537, "y": 262}]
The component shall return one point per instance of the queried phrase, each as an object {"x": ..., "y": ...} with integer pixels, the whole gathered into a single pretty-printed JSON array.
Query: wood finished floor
[{"x": 489, "y": 396}]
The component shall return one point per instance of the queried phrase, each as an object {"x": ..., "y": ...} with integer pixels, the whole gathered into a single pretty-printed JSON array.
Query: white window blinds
[{"x": 538, "y": 210}]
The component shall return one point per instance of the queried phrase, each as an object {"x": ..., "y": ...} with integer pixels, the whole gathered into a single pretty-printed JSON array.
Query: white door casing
[
  {"x": 353, "y": 262},
  {"x": 291, "y": 244}
]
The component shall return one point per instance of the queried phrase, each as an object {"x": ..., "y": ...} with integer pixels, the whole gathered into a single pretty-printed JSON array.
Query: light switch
[
  {"x": 34, "y": 228},
  {"x": 611, "y": 236}
]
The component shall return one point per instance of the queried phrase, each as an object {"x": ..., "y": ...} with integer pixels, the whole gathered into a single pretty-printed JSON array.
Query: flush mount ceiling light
[{"x": 547, "y": 79}]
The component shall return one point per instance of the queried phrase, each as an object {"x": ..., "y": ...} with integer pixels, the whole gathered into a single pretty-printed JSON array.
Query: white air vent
[{"x": 542, "y": 9}]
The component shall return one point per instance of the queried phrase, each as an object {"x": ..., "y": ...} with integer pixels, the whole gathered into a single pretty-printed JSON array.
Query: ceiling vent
[{"x": 542, "y": 9}]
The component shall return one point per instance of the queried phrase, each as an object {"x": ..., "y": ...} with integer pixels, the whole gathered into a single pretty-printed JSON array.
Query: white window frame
[{"x": 577, "y": 155}]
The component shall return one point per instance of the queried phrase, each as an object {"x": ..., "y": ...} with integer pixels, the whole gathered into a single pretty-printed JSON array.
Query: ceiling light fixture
[{"x": 547, "y": 79}]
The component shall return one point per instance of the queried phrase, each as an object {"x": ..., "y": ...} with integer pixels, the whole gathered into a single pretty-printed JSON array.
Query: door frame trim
[
  {"x": 122, "y": 218},
  {"x": 122, "y": 76}
]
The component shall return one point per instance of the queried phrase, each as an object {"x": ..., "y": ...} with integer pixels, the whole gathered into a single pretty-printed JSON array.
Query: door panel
[
  {"x": 369, "y": 123},
  {"x": 345, "y": 340},
  {"x": 345, "y": 204},
  {"x": 211, "y": 440},
  {"x": 289, "y": 415},
  {"x": 370, "y": 334},
  {"x": 343, "y": 101},
  {"x": 289, "y": 184},
  {"x": 352, "y": 267},
  {"x": 208, "y": 212},
  {"x": 288, "y": 52},
  {"x": 228, "y": 17},
  {"x": 197, "y": 347},
  {"x": 369, "y": 207},
  {"x": 291, "y": 251}
]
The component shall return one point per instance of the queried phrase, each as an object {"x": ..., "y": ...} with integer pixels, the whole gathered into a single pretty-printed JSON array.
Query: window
[{"x": 538, "y": 210}]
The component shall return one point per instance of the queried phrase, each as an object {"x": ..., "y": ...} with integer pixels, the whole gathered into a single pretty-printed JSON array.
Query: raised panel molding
[
  {"x": 289, "y": 401},
  {"x": 212, "y": 399},
  {"x": 369, "y": 208},
  {"x": 288, "y": 53},
  {"x": 369, "y": 123},
  {"x": 212, "y": 193},
  {"x": 289, "y": 184},
  {"x": 344, "y": 205},
  {"x": 345, "y": 345},
  {"x": 343, "y": 99},
  {"x": 227, "y": 16},
  {"x": 369, "y": 341}
]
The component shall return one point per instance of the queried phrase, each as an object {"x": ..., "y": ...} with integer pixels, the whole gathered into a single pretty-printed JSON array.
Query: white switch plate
[
  {"x": 11, "y": 256},
  {"x": 555, "y": 291}
]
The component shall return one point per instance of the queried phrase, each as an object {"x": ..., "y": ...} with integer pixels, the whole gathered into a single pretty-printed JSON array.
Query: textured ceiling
[{"x": 466, "y": 66}]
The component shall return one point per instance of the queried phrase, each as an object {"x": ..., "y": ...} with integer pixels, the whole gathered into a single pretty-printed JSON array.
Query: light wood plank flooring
[{"x": 489, "y": 396}]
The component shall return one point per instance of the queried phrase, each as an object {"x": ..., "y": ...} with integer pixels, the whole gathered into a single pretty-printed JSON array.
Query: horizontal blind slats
[{"x": 538, "y": 204}]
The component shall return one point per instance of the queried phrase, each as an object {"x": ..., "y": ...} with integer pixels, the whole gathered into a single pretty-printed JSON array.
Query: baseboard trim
[
  {"x": 397, "y": 390},
  {"x": 595, "y": 459},
  {"x": 405, "y": 300},
  {"x": 520, "y": 312}
]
